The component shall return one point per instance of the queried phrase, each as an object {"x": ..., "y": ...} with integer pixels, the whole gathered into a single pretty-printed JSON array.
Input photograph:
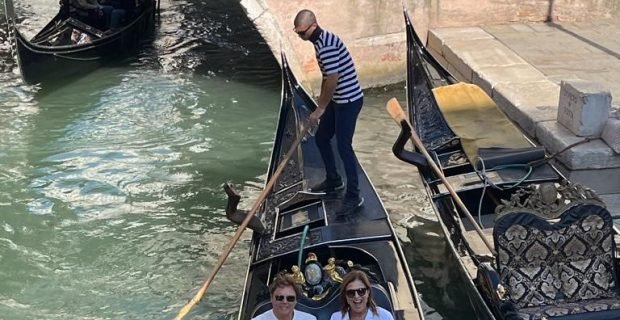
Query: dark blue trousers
[{"x": 339, "y": 120}]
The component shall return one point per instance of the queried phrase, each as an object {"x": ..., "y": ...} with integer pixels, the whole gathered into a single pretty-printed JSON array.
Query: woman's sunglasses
[
  {"x": 288, "y": 298},
  {"x": 360, "y": 292}
]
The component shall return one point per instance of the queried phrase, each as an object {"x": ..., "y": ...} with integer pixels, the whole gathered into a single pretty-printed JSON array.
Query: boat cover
[{"x": 477, "y": 120}]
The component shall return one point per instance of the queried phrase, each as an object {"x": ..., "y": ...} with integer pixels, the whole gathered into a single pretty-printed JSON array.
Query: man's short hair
[
  {"x": 283, "y": 280},
  {"x": 304, "y": 16}
]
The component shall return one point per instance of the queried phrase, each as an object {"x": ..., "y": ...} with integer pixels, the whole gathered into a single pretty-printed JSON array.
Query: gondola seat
[
  {"x": 557, "y": 270},
  {"x": 324, "y": 310}
]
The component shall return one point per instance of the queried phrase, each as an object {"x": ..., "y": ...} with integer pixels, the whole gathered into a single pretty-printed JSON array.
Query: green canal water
[{"x": 111, "y": 204}]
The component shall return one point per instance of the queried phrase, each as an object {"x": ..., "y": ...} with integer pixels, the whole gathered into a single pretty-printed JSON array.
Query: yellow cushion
[{"x": 476, "y": 119}]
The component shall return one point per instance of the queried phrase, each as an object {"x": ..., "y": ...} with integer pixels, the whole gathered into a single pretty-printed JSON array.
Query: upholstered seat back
[{"x": 542, "y": 263}]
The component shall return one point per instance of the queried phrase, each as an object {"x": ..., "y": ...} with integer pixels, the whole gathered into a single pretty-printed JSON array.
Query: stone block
[
  {"x": 437, "y": 55},
  {"x": 487, "y": 77},
  {"x": 602, "y": 181},
  {"x": 528, "y": 103},
  {"x": 612, "y": 201},
  {"x": 434, "y": 43},
  {"x": 438, "y": 37},
  {"x": 455, "y": 73},
  {"x": 594, "y": 154},
  {"x": 483, "y": 53},
  {"x": 584, "y": 107},
  {"x": 611, "y": 134},
  {"x": 457, "y": 63}
]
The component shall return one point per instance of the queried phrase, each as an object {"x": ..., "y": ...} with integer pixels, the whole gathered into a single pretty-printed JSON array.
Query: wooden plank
[{"x": 471, "y": 236}]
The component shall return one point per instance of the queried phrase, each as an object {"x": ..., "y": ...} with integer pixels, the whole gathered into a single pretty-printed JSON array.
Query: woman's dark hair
[
  {"x": 350, "y": 277},
  {"x": 284, "y": 280}
]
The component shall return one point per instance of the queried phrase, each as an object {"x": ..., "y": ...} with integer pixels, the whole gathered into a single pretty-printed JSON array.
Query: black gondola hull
[
  {"x": 365, "y": 238},
  {"x": 44, "y": 63},
  {"x": 500, "y": 197}
]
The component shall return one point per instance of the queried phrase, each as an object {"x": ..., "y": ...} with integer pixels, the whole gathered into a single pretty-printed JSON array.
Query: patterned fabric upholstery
[
  {"x": 558, "y": 268},
  {"x": 570, "y": 308}
]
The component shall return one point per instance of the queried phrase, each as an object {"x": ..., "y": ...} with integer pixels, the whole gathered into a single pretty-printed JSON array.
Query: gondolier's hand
[{"x": 316, "y": 115}]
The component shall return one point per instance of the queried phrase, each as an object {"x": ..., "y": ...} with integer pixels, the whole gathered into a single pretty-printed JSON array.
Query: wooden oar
[
  {"x": 397, "y": 113},
  {"x": 9, "y": 11},
  {"x": 183, "y": 312}
]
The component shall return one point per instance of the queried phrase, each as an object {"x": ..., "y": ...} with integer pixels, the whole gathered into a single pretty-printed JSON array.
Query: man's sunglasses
[
  {"x": 288, "y": 298},
  {"x": 360, "y": 292},
  {"x": 301, "y": 33}
]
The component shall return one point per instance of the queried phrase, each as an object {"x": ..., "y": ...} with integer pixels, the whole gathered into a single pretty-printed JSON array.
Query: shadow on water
[
  {"x": 432, "y": 264},
  {"x": 214, "y": 38},
  {"x": 436, "y": 273}
]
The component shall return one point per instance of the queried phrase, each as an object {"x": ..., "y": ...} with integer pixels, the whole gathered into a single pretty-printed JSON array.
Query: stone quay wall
[{"x": 374, "y": 30}]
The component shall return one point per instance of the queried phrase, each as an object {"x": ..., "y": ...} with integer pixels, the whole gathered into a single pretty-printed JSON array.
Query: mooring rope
[{"x": 482, "y": 174}]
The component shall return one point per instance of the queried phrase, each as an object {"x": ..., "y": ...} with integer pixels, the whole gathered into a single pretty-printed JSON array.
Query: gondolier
[{"x": 339, "y": 104}]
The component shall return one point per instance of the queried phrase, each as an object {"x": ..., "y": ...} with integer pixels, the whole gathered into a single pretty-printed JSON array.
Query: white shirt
[
  {"x": 382, "y": 314},
  {"x": 297, "y": 315}
]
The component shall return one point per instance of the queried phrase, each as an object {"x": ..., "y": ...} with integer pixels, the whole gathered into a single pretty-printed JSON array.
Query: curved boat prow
[
  {"x": 424, "y": 113},
  {"x": 237, "y": 216},
  {"x": 402, "y": 154}
]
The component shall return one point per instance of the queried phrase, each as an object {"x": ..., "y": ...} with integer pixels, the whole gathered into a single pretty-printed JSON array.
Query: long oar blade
[
  {"x": 396, "y": 112},
  {"x": 233, "y": 241}
]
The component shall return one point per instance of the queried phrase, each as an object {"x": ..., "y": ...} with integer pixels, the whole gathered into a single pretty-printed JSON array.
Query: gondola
[
  {"x": 51, "y": 55},
  {"x": 297, "y": 232},
  {"x": 530, "y": 244}
]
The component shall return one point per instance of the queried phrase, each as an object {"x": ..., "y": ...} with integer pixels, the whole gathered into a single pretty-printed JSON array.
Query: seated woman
[{"x": 356, "y": 301}]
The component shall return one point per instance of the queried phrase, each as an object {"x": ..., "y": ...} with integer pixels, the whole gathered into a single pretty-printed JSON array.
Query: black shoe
[
  {"x": 328, "y": 186},
  {"x": 349, "y": 205}
]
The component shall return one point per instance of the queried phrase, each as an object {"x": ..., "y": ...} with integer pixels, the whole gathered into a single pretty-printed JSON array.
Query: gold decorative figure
[
  {"x": 298, "y": 277},
  {"x": 330, "y": 269}
]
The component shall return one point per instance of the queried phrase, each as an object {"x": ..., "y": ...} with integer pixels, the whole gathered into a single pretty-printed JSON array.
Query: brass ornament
[
  {"x": 298, "y": 277},
  {"x": 317, "y": 281},
  {"x": 501, "y": 292},
  {"x": 330, "y": 269},
  {"x": 548, "y": 200}
]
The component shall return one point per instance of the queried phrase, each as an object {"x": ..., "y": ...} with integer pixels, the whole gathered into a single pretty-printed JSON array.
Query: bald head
[{"x": 305, "y": 17}]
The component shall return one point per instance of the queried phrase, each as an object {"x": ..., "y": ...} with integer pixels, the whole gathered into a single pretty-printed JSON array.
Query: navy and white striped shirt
[{"x": 333, "y": 57}]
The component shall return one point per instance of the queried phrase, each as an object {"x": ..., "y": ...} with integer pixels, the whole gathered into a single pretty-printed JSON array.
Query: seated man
[{"x": 284, "y": 293}]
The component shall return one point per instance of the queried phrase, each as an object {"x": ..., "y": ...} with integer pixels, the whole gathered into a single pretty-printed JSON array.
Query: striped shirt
[{"x": 333, "y": 57}]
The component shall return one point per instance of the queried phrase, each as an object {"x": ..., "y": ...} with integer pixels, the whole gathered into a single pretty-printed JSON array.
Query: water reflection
[
  {"x": 432, "y": 264},
  {"x": 111, "y": 185},
  {"x": 214, "y": 38}
]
